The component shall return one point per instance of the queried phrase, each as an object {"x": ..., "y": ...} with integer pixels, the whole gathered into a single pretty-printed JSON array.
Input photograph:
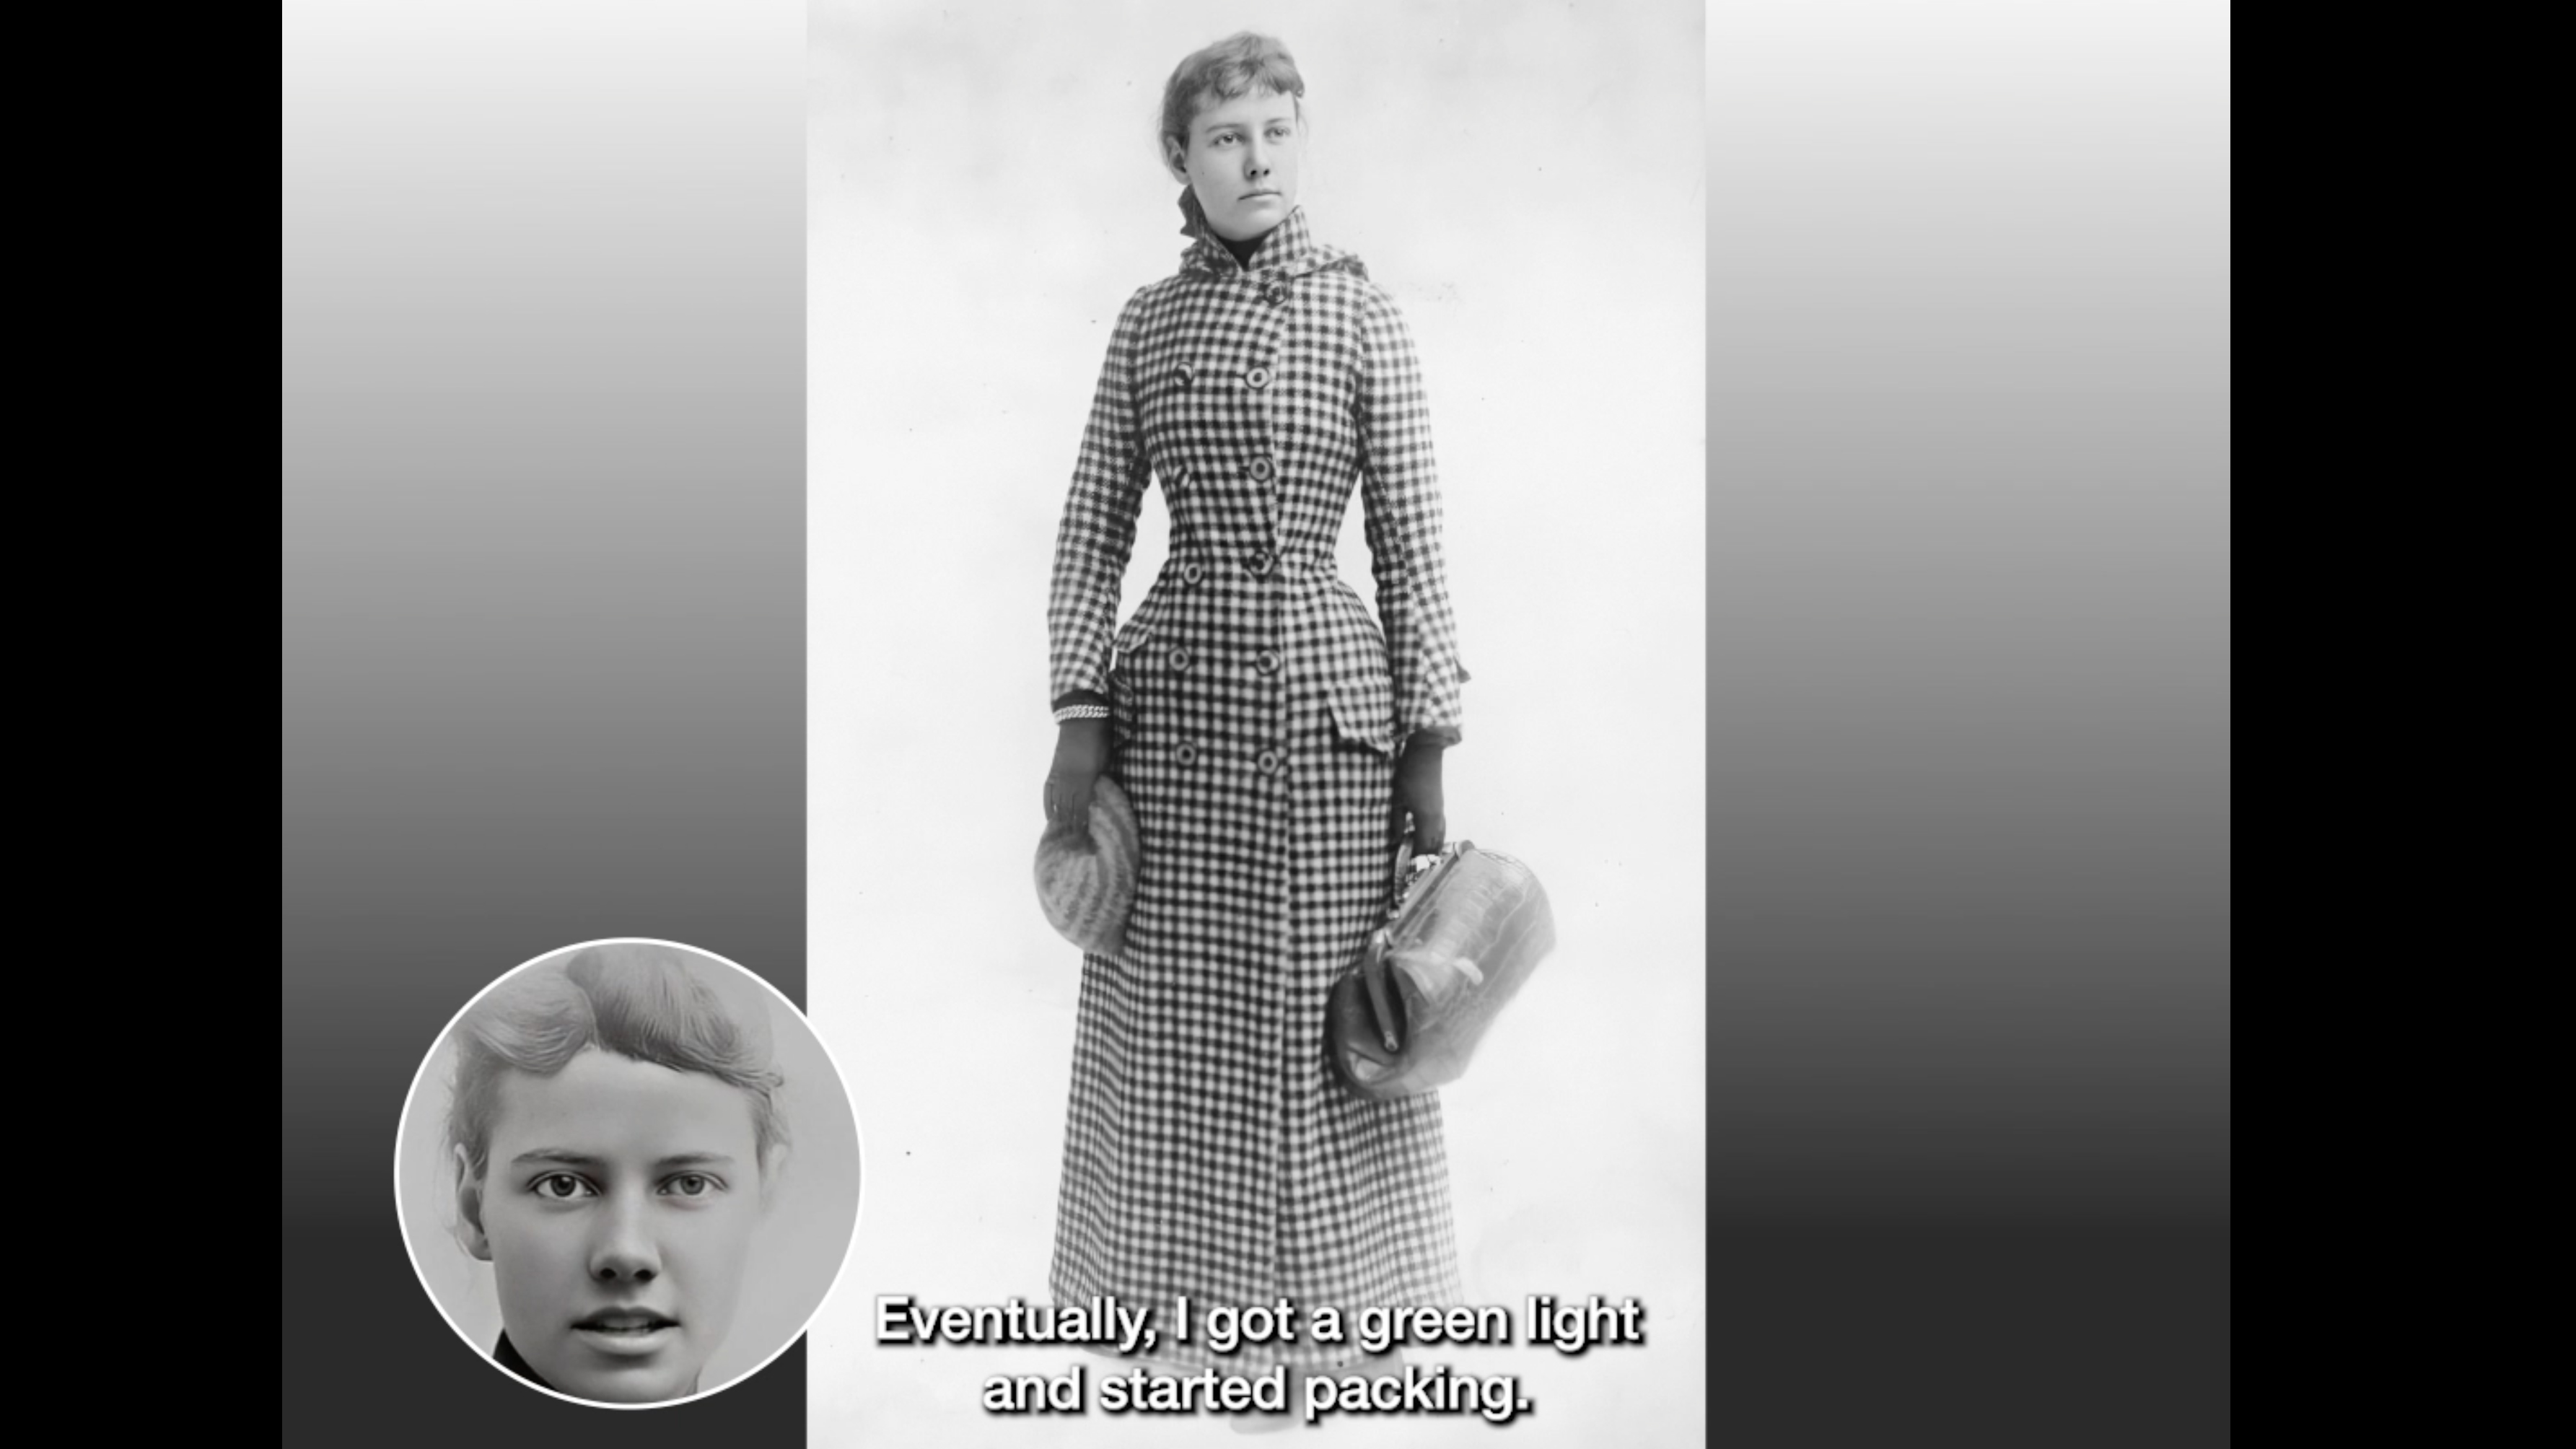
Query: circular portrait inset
[{"x": 628, "y": 1173}]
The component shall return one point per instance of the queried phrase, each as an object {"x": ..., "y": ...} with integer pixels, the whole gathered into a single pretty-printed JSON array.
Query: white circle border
[{"x": 858, "y": 1209}]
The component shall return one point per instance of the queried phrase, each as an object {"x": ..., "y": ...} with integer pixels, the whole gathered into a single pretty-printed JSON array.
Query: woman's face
[
  {"x": 617, "y": 1209},
  {"x": 1242, "y": 162}
]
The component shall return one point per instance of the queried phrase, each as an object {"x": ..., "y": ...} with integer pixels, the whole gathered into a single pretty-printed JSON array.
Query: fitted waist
[{"x": 1192, "y": 565}]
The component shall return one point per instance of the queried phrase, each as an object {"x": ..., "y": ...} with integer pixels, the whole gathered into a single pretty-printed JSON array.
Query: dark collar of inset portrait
[{"x": 508, "y": 1358}]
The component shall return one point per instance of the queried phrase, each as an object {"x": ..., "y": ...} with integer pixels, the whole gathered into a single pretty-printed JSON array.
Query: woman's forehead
[
  {"x": 615, "y": 1106},
  {"x": 1250, "y": 108}
]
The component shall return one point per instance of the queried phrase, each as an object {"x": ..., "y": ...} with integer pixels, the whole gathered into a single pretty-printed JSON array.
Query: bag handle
[{"x": 1373, "y": 959}]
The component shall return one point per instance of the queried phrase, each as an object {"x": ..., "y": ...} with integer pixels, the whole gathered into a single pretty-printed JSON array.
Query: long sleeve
[
  {"x": 1403, "y": 510},
  {"x": 1099, "y": 528}
]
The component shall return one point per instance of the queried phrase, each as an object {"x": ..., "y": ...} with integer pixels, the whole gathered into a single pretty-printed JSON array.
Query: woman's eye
[
  {"x": 690, "y": 1184},
  {"x": 561, "y": 1185}
]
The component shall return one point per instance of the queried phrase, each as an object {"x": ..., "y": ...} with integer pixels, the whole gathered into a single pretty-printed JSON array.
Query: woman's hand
[
  {"x": 1081, "y": 753},
  {"x": 1417, "y": 794}
]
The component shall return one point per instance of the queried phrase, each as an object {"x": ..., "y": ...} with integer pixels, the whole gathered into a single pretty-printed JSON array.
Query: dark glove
[
  {"x": 1417, "y": 795},
  {"x": 1081, "y": 753}
]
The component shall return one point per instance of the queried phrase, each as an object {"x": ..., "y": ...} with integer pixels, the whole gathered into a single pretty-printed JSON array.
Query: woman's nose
[
  {"x": 1256, "y": 160},
  {"x": 623, "y": 1250}
]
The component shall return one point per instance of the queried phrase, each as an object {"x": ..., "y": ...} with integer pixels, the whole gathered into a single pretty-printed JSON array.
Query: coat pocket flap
[
  {"x": 1364, "y": 710},
  {"x": 1139, "y": 628},
  {"x": 1132, "y": 635}
]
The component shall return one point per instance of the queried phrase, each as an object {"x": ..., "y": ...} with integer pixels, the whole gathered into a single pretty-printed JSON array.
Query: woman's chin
[
  {"x": 632, "y": 1386},
  {"x": 1247, "y": 220}
]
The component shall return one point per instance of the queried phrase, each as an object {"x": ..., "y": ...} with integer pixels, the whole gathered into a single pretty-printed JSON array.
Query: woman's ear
[
  {"x": 469, "y": 1209},
  {"x": 1175, "y": 162}
]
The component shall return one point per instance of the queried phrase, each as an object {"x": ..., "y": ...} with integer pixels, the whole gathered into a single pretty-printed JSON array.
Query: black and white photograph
[
  {"x": 628, "y": 1173},
  {"x": 1255, "y": 469}
]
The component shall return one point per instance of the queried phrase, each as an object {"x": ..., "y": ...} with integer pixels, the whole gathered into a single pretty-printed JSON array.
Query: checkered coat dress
[{"x": 1257, "y": 711}]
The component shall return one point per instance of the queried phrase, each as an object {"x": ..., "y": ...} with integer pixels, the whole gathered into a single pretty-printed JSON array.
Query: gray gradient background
[
  {"x": 1969, "y": 729},
  {"x": 542, "y": 438}
]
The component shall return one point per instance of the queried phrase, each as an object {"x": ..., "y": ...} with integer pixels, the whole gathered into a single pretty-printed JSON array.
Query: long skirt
[{"x": 1208, "y": 1151}]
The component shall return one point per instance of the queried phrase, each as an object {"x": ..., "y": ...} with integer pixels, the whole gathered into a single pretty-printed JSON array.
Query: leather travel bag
[{"x": 1467, "y": 929}]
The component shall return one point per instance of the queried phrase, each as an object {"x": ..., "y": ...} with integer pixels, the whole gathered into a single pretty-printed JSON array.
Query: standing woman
[{"x": 1275, "y": 745}]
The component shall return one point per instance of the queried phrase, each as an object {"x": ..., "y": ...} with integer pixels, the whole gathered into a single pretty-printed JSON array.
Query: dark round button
[
  {"x": 1269, "y": 762},
  {"x": 1267, "y": 661},
  {"x": 1186, "y": 754},
  {"x": 1192, "y": 573},
  {"x": 1274, "y": 295},
  {"x": 1258, "y": 377},
  {"x": 1258, "y": 561},
  {"x": 1185, "y": 373},
  {"x": 1260, "y": 470},
  {"x": 1180, "y": 659}
]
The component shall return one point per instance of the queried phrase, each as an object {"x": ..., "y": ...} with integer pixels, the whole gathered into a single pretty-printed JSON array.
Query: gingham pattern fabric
[{"x": 1257, "y": 711}]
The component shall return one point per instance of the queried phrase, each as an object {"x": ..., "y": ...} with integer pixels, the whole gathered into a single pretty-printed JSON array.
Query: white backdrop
[{"x": 1526, "y": 180}]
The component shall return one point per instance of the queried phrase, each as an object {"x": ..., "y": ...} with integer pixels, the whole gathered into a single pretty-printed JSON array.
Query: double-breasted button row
[
  {"x": 1259, "y": 470},
  {"x": 1269, "y": 761},
  {"x": 1256, "y": 562},
  {"x": 1267, "y": 661},
  {"x": 1187, "y": 373}
]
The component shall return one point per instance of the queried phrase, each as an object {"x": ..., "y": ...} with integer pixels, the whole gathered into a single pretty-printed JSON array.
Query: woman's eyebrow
[
  {"x": 564, "y": 1155},
  {"x": 1284, "y": 118}
]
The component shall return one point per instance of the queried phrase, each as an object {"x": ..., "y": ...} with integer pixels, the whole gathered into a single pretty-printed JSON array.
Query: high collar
[{"x": 1287, "y": 250}]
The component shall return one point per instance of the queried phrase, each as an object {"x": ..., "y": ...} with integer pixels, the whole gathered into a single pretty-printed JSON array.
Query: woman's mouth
[{"x": 625, "y": 1330}]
